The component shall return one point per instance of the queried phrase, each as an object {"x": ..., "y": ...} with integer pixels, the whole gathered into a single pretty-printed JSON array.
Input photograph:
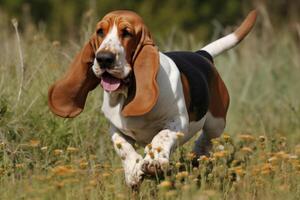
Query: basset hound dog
[{"x": 158, "y": 100}]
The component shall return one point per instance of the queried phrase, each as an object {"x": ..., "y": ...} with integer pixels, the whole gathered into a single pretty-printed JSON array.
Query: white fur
[
  {"x": 221, "y": 45},
  {"x": 212, "y": 128},
  {"x": 112, "y": 43},
  {"x": 132, "y": 162}
]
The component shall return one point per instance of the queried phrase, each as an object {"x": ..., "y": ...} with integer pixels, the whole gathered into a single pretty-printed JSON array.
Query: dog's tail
[{"x": 231, "y": 40}]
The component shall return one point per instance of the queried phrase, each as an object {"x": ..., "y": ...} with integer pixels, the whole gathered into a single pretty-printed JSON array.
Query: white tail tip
[{"x": 229, "y": 41}]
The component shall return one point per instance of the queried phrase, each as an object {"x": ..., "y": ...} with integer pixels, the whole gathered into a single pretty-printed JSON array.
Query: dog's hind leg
[
  {"x": 215, "y": 117},
  {"x": 213, "y": 128}
]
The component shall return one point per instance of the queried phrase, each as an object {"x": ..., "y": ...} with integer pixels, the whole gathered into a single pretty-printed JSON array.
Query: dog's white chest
[
  {"x": 168, "y": 112},
  {"x": 138, "y": 128}
]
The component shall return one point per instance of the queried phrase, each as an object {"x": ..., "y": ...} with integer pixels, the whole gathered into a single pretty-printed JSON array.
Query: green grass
[{"x": 36, "y": 161}]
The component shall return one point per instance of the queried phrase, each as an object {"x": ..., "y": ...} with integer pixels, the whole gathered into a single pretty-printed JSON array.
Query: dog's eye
[
  {"x": 126, "y": 33},
  {"x": 100, "y": 32}
]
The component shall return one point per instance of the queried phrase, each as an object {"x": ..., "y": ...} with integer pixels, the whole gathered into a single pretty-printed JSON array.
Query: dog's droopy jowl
[{"x": 156, "y": 99}]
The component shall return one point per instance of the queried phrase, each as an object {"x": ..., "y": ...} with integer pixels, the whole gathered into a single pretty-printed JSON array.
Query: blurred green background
[{"x": 61, "y": 20}]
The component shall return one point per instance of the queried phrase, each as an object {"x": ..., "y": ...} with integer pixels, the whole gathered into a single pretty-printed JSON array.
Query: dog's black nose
[{"x": 105, "y": 59}]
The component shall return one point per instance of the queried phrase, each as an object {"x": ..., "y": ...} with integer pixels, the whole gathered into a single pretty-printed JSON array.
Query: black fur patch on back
[{"x": 197, "y": 67}]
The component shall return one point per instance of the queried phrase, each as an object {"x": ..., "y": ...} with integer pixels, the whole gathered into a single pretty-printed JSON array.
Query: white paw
[
  {"x": 133, "y": 171},
  {"x": 155, "y": 162}
]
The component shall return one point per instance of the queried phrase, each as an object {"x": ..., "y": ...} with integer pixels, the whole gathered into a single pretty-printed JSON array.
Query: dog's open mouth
[{"x": 110, "y": 83}]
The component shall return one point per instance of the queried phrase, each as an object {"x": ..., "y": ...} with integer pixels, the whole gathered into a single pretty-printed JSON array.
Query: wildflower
[
  {"x": 220, "y": 154},
  {"x": 2, "y": 145},
  {"x": 58, "y": 152},
  {"x": 59, "y": 185},
  {"x": 55, "y": 43},
  {"x": 106, "y": 174},
  {"x": 247, "y": 150},
  {"x": 178, "y": 165},
  {"x": 226, "y": 137},
  {"x": 182, "y": 175},
  {"x": 93, "y": 157},
  {"x": 63, "y": 170},
  {"x": 72, "y": 149},
  {"x": 262, "y": 139},
  {"x": 165, "y": 185},
  {"x": 282, "y": 155},
  {"x": 247, "y": 138},
  {"x": 191, "y": 156},
  {"x": 83, "y": 165},
  {"x": 215, "y": 141},
  {"x": 203, "y": 158},
  {"x": 34, "y": 143},
  {"x": 93, "y": 182}
]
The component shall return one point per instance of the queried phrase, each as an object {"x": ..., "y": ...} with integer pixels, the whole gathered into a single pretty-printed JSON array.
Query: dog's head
[{"x": 121, "y": 51}]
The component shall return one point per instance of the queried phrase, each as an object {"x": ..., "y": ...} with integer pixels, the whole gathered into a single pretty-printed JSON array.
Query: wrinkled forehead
[{"x": 122, "y": 16}]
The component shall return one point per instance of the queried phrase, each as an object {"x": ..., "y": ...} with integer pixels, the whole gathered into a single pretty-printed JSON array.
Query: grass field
[{"x": 45, "y": 157}]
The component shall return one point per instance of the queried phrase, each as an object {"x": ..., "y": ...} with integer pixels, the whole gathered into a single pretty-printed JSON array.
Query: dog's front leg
[
  {"x": 158, "y": 152},
  {"x": 131, "y": 160}
]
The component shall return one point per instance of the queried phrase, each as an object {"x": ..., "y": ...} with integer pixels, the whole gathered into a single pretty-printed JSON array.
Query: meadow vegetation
[{"x": 43, "y": 156}]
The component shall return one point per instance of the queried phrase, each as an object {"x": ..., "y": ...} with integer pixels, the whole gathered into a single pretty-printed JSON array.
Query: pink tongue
[{"x": 110, "y": 83}]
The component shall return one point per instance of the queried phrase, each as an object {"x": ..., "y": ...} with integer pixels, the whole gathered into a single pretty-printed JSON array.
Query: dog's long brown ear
[
  {"x": 145, "y": 68},
  {"x": 67, "y": 96}
]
